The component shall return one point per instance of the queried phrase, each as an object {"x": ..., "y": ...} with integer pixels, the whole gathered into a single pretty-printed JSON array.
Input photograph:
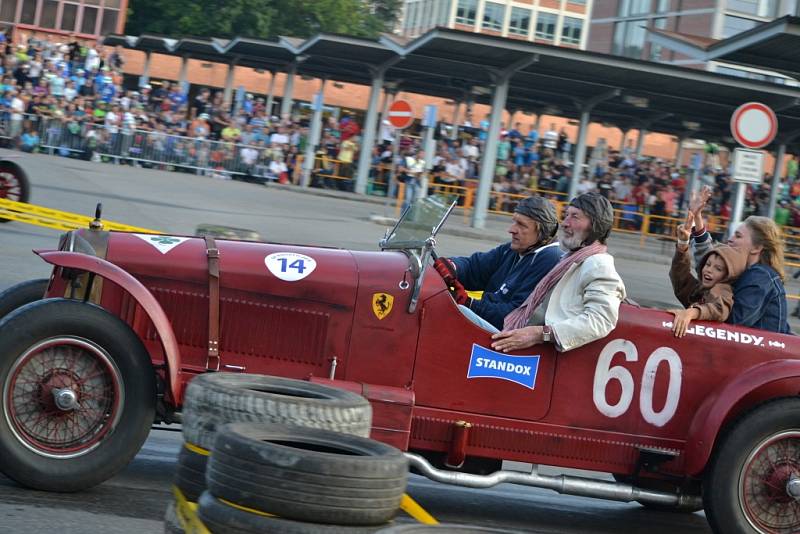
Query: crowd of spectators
[{"x": 68, "y": 94}]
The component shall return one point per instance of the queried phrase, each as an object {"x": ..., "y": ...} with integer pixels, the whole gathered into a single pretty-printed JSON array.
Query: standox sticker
[
  {"x": 382, "y": 304},
  {"x": 290, "y": 266},
  {"x": 486, "y": 363},
  {"x": 162, "y": 243}
]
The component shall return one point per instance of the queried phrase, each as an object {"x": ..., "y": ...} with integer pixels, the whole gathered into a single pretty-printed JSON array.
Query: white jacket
[{"x": 584, "y": 304}]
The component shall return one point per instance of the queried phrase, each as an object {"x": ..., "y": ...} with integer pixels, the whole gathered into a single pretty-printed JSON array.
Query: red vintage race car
[{"x": 711, "y": 420}]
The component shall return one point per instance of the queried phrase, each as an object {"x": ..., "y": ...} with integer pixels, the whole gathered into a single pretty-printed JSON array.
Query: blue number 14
[{"x": 297, "y": 264}]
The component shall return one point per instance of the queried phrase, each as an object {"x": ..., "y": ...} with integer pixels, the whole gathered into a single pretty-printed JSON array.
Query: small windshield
[{"x": 421, "y": 221}]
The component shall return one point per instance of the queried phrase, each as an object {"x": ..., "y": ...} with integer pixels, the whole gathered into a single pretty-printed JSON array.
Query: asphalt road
[{"x": 176, "y": 203}]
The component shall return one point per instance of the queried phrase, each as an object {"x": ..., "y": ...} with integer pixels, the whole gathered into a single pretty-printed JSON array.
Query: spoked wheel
[
  {"x": 753, "y": 481},
  {"x": 78, "y": 395},
  {"x": 769, "y": 485},
  {"x": 14, "y": 183},
  {"x": 62, "y": 397}
]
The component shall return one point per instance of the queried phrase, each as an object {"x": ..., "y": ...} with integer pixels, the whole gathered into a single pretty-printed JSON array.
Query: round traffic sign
[
  {"x": 400, "y": 114},
  {"x": 754, "y": 125}
]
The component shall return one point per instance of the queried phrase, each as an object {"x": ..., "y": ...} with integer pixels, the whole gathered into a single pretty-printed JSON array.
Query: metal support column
[
  {"x": 313, "y": 135},
  {"x": 488, "y": 161},
  {"x": 456, "y": 110},
  {"x": 145, "y": 77},
  {"x": 228, "y": 92},
  {"x": 271, "y": 93},
  {"x": 288, "y": 91},
  {"x": 679, "y": 153},
  {"x": 777, "y": 175},
  {"x": 623, "y": 141},
  {"x": 368, "y": 132},
  {"x": 640, "y": 143},
  {"x": 183, "y": 75},
  {"x": 580, "y": 150}
]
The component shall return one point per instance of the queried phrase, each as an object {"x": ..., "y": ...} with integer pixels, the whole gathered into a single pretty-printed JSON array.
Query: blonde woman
[{"x": 759, "y": 297}]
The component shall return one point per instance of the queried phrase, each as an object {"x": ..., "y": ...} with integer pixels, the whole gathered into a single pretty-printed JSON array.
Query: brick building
[{"x": 87, "y": 18}]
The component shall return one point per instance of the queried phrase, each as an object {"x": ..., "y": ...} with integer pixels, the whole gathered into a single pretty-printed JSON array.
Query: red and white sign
[
  {"x": 754, "y": 125},
  {"x": 400, "y": 114}
]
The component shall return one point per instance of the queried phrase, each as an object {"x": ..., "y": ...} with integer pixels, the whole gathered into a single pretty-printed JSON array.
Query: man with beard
[
  {"x": 578, "y": 301},
  {"x": 508, "y": 273}
]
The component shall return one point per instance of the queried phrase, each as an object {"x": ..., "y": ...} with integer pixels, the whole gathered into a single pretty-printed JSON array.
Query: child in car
[{"x": 710, "y": 296}]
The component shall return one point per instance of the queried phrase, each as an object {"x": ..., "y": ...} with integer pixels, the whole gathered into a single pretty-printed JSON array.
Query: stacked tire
[
  {"x": 222, "y": 411},
  {"x": 278, "y": 478},
  {"x": 214, "y": 399}
]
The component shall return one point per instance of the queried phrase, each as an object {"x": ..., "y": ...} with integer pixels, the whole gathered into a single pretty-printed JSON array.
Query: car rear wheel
[
  {"x": 21, "y": 294},
  {"x": 78, "y": 395},
  {"x": 753, "y": 481},
  {"x": 14, "y": 184}
]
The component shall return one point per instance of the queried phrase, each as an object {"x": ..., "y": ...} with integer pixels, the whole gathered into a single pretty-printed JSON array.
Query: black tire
[
  {"x": 214, "y": 399},
  {"x": 21, "y": 294},
  {"x": 661, "y": 485},
  {"x": 190, "y": 475},
  {"x": 436, "y": 529},
  {"x": 748, "y": 475},
  {"x": 221, "y": 518},
  {"x": 107, "y": 384},
  {"x": 307, "y": 474},
  {"x": 172, "y": 524},
  {"x": 14, "y": 183}
]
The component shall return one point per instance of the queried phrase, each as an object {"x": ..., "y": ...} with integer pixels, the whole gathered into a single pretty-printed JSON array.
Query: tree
[{"x": 261, "y": 18}]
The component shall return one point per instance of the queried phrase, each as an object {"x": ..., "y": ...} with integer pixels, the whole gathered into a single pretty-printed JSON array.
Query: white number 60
[{"x": 604, "y": 373}]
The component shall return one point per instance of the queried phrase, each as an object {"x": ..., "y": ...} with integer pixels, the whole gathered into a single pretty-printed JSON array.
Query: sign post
[
  {"x": 400, "y": 116},
  {"x": 753, "y": 125},
  {"x": 429, "y": 122}
]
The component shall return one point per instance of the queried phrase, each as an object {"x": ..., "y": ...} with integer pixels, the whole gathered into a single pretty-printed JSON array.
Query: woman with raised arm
[{"x": 759, "y": 297}]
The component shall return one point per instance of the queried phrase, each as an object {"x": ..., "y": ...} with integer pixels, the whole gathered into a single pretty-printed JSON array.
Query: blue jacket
[
  {"x": 505, "y": 279},
  {"x": 759, "y": 298}
]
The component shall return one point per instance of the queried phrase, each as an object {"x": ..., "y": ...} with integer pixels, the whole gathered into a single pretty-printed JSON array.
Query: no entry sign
[
  {"x": 400, "y": 114},
  {"x": 754, "y": 125}
]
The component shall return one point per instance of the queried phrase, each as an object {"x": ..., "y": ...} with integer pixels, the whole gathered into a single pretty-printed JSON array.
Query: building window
[
  {"x": 8, "y": 10},
  {"x": 655, "y": 49},
  {"x": 733, "y": 25},
  {"x": 109, "y": 22},
  {"x": 444, "y": 14},
  {"x": 629, "y": 38},
  {"x": 579, "y": 2},
  {"x": 634, "y": 7},
  {"x": 411, "y": 13},
  {"x": 466, "y": 12},
  {"x": 758, "y": 8},
  {"x": 493, "y": 15},
  {"x": 69, "y": 14},
  {"x": 520, "y": 22},
  {"x": 662, "y": 6},
  {"x": 28, "y": 15},
  {"x": 546, "y": 26},
  {"x": 49, "y": 11},
  {"x": 571, "y": 31},
  {"x": 89, "y": 22}
]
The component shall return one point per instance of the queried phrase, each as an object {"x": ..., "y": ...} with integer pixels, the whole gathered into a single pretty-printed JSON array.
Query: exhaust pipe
[{"x": 568, "y": 485}]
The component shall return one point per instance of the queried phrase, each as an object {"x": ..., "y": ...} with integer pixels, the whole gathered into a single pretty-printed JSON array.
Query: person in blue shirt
[
  {"x": 506, "y": 274},
  {"x": 759, "y": 296}
]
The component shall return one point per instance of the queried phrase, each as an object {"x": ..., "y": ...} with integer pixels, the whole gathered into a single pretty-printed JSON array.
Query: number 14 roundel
[{"x": 290, "y": 266}]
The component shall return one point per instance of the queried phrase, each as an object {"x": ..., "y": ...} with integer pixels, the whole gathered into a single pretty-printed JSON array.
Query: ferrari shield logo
[{"x": 382, "y": 304}]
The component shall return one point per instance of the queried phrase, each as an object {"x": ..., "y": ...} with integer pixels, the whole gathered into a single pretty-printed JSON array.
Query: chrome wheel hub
[{"x": 65, "y": 399}]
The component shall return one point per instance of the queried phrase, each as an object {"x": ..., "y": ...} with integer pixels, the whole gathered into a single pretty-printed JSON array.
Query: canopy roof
[
  {"x": 772, "y": 46},
  {"x": 543, "y": 79}
]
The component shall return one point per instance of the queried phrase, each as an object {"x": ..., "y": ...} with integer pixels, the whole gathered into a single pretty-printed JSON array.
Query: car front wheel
[
  {"x": 78, "y": 395},
  {"x": 753, "y": 482}
]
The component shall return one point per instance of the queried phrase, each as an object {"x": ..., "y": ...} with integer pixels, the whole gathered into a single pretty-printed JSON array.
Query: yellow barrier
[{"x": 57, "y": 219}]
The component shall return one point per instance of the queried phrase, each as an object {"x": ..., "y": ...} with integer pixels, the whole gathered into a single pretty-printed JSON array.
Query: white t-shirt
[
  {"x": 18, "y": 108},
  {"x": 249, "y": 155},
  {"x": 112, "y": 122},
  {"x": 280, "y": 138},
  {"x": 551, "y": 139}
]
